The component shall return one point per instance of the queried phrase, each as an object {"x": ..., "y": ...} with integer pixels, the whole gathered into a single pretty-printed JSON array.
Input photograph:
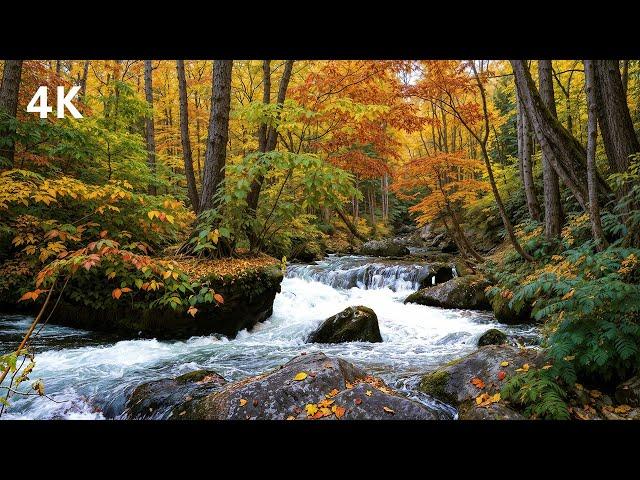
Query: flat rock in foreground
[{"x": 311, "y": 386}]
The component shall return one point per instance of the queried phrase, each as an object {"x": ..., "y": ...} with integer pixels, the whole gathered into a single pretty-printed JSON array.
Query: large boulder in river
[
  {"x": 461, "y": 292},
  {"x": 157, "y": 399},
  {"x": 309, "y": 386},
  {"x": 384, "y": 248},
  {"x": 492, "y": 336},
  {"x": 353, "y": 324},
  {"x": 457, "y": 383},
  {"x": 629, "y": 392},
  {"x": 509, "y": 315}
]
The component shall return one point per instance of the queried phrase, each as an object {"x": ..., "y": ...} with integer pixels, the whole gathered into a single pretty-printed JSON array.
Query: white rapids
[{"x": 89, "y": 376}]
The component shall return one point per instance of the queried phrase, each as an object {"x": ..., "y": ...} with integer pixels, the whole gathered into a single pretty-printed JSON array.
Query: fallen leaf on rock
[
  {"x": 524, "y": 368},
  {"x": 339, "y": 411},
  {"x": 332, "y": 393},
  {"x": 300, "y": 376},
  {"x": 504, "y": 364},
  {"x": 368, "y": 393},
  {"x": 501, "y": 375},
  {"x": 388, "y": 410},
  {"x": 358, "y": 401},
  {"x": 325, "y": 403},
  {"x": 547, "y": 367},
  {"x": 182, "y": 413},
  {"x": 325, "y": 411},
  {"x": 622, "y": 409},
  {"x": 477, "y": 382},
  {"x": 484, "y": 399},
  {"x": 291, "y": 417},
  {"x": 311, "y": 409},
  {"x": 243, "y": 402},
  {"x": 348, "y": 385}
]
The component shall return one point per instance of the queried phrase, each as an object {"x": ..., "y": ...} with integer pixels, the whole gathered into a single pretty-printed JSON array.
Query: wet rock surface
[
  {"x": 462, "y": 292},
  {"x": 384, "y": 248},
  {"x": 492, "y": 337},
  {"x": 353, "y": 324},
  {"x": 157, "y": 399},
  {"x": 300, "y": 390}
]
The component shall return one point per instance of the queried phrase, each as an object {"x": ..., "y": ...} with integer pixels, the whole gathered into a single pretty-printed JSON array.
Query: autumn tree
[
  {"x": 446, "y": 183},
  {"x": 149, "y": 127}
]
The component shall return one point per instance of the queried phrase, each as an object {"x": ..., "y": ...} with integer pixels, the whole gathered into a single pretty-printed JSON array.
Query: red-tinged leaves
[
  {"x": 31, "y": 295},
  {"x": 477, "y": 382},
  {"x": 501, "y": 375},
  {"x": 358, "y": 401},
  {"x": 116, "y": 293}
]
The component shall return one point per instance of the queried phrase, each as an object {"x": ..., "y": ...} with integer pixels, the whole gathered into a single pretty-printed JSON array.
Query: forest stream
[{"x": 88, "y": 375}]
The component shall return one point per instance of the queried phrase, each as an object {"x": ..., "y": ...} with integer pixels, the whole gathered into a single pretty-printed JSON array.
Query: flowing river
[{"x": 88, "y": 375}]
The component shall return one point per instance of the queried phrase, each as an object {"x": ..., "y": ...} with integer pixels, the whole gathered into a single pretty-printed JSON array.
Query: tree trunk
[
  {"x": 218, "y": 135},
  {"x": 150, "y": 132},
  {"x": 618, "y": 135},
  {"x": 594, "y": 209},
  {"x": 83, "y": 81},
  {"x": 186, "y": 142},
  {"x": 565, "y": 153},
  {"x": 9, "y": 105},
  {"x": 553, "y": 215},
  {"x": 527, "y": 167},
  {"x": 352, "y": 228},
  {"x": 267, "y": 137}
]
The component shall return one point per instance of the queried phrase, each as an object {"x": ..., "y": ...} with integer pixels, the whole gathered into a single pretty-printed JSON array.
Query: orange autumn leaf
[
  {"x": 501, "y": 375},
  {"x": 116, "y": 293},
  {"x": 339, "y": 412},
  {"x": 388, "y": 410},
  {"x": 218, "y": 298},
  {"x": 477, "y": 382},
  {"x": 192, "y": 311}
]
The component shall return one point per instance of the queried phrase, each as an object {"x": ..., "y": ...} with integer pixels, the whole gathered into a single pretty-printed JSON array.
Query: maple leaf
[
  {"x": 300, "y": 376},
  {"x": 311, "y": 409},
  {"x": 501, "y": 375},
  {"x": 332, "y": 393},
  {"x": 477, "y": 382},
  {"x": 368, "y": 393},
  {"x": 243, "y": 402},
  {"x": 622, "y": 409},
  {"x": 504, "y": 364},
  {"x": 339, "y": 411},
  {"x": 116, "y": 293},
  {"x": 325, "y": 403},
  {"x": 388, "y": 410},
  {"x": 524, "y": 368}
]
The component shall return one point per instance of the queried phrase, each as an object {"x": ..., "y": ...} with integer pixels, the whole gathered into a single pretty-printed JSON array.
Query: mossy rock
[
  {"x": 509, "y": 315},
  {"x": 461, "y": 292},
  {"x": 492, "y": 336},
  {"x": 434, "y": 384},
  {"x": 353, "y": 324}
]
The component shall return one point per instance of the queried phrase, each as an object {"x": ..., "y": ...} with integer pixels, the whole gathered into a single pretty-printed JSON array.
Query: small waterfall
[{"x": 361, "y": 272}]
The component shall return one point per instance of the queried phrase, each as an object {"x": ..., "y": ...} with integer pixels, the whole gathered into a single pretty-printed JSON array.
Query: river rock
[
  {"x": 510, "y": 315},
  {"x": 628, "y": 392},
  {"x": 442, "y": 272},
  {"x": 353, "y": 324},
  {"x": 461, "y": 292},
  {"x": 384, "y": 248},
  {"x": 452, "y": 383},
  {"x": 492, "y": 336},
  {"x": 495, "y": 411},
  {"x": 276, "y": 395},
  {"x": 157, "y": 399},
  {"x": 248, "y": 300}
]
